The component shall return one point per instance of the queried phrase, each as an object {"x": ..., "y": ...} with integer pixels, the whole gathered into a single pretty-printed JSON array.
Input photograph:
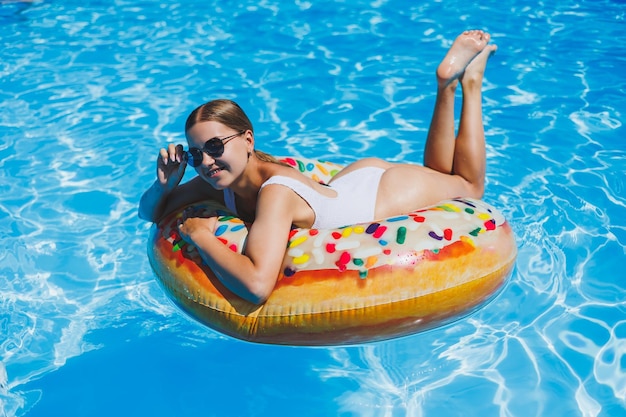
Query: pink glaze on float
[{"x": 359, "y": 283}]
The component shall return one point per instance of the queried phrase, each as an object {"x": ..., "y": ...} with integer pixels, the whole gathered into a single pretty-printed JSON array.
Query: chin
[{"x": 215, "y": 183}]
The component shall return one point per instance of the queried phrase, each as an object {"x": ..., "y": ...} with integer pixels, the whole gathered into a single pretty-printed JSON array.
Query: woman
[{"x": 274, "y": 196}]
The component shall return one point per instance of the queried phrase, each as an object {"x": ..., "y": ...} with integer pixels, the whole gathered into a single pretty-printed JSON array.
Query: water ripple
[{"x": 88, "y": 92}]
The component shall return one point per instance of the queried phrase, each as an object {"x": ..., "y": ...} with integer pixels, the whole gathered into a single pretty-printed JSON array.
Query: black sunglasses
[{"x": 213, "y": 147}]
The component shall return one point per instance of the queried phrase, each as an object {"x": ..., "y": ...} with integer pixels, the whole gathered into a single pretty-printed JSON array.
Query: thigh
[{"x": 404, "y": 188}]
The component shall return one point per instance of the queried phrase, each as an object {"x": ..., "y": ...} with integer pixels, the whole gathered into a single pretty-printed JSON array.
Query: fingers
[
  {"x": 198, "y": 212},
  {"x": 170, "y": 165},
  {"x": 173, "y": 154},
  {"x": 187, "y": 213},
  {"x": 190, "y": 224}
]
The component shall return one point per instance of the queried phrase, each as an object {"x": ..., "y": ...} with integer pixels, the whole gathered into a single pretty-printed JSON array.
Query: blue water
[{"x": 89, "y": 90}]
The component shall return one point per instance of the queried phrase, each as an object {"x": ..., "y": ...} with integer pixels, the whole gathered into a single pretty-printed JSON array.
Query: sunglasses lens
[
  {"x": 193, "y": 157},
  {"x": 214, "y": 147}
]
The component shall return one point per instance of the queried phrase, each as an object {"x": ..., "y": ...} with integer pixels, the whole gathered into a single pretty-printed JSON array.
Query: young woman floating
[{"x": 275, "y": 197}]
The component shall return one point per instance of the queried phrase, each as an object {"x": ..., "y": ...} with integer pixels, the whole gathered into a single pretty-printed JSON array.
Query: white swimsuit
[{"x": 355, "y": 201}]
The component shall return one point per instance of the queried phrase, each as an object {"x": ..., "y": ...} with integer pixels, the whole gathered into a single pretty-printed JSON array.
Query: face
[{"x": 220, "y": 171}]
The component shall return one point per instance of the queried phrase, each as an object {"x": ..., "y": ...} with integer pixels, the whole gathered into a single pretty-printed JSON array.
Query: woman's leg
[
  {"x": 455, "y": 167},
  {"x": 439, "y": 151},
  {"x": 469, "y": 149}
]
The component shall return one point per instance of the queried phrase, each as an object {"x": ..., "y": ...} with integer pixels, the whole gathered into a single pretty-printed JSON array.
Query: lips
[{"x": 214, "y": 171}]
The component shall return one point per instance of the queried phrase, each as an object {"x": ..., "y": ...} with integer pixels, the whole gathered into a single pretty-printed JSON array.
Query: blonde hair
[{"x": 228, "y": 113}]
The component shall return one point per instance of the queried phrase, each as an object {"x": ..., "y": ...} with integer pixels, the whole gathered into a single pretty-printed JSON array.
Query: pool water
[{"x": 89, "y": 90}]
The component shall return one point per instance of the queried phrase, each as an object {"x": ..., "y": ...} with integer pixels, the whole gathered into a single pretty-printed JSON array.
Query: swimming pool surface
[{"x": 89, "y": 90}]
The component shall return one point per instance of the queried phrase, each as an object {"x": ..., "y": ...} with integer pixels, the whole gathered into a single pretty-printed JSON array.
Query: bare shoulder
[
  {"x": 275, "y": 198},
  {"x": 281, "y": 203},
  {"x": 274, "y": 210}
]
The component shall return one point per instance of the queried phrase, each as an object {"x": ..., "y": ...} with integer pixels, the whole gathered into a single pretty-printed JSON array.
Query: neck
[{"x": 247, "y": 186}]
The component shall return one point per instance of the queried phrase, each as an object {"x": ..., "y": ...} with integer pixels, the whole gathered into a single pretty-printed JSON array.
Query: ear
[{"x": 249, "y": 137}]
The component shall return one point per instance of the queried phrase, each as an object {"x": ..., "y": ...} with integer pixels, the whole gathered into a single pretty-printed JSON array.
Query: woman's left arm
[{"x": 251, "y": 275}]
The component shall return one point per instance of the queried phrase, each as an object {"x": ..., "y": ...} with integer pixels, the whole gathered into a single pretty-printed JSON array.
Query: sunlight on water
[{"x": 89, "y": 92}]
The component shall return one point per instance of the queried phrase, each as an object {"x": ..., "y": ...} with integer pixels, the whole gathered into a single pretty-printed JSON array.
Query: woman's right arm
[
  {"x": 166, "y": 195},
  {"x": 153, "y": 202}
]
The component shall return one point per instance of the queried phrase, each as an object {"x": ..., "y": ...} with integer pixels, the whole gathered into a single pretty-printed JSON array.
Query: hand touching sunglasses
[{"x": 213, "y": 147}]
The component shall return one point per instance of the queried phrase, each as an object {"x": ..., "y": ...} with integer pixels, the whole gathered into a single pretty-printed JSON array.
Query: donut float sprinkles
[{"x": 359, "y": 283}]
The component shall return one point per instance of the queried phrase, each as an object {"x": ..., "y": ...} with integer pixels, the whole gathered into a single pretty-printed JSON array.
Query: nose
[{"x": 207, "y": 160}]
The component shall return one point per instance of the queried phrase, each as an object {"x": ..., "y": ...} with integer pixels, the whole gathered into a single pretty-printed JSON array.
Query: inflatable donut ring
[{"x": 359, "y": 283}]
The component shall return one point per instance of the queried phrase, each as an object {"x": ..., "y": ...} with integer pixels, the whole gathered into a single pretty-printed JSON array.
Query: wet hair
[{"x": 228, "y": 113}]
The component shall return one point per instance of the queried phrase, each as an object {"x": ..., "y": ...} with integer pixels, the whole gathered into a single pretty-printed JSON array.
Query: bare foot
[
  {"x": 475, "y": 70},
  {"x": 464, "y": 49}
]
